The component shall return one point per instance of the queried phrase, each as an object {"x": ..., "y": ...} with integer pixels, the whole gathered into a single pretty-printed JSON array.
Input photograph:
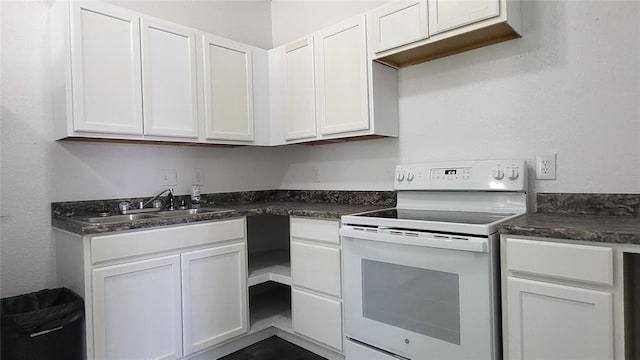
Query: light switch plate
[{"x": 168, "y": 177}]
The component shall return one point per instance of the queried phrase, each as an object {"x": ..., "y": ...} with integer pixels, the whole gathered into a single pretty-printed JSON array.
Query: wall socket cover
[
  {"x": 198, "y": 176},
  {"x": 546, "y": 167},
  {"x": 168, "y": 177}
]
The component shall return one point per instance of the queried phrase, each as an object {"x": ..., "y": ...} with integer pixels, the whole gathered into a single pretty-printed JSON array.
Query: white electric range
[{"x": 421, "y": 281}]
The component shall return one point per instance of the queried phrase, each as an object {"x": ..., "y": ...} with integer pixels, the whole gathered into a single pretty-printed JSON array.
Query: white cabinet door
[
  {"x": 317, "y": 317},
  {"x": 169, "y": 79},
  {"x": 549, "y": 321},
  {"x": 450, "y": 14},
  {"x": 397, "y": 24},
  {"x": 228, "y": 89},
  {"x": 136, "y": 310},
  {"x": 316, "y": 267},
  {"x": 106, "y": 74},
  {"x": 342, "y": 99},
  {"x": 215, "y": 295},
  {"x": 299, "y": 84}
]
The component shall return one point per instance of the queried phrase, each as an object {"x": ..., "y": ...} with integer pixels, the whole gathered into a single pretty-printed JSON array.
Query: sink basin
[
  {"x": 190, "y": 211},
  {"x": 116, "y": 218}
]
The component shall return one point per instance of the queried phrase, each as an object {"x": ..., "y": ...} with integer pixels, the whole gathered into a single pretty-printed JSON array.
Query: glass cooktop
[{"x": 464, "y": 217}]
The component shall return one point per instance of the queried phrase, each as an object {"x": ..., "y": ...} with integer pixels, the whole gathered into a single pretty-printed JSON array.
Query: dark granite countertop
[
  {"x": 607, "y": 218},
  {"x": 316, "y": 204}
]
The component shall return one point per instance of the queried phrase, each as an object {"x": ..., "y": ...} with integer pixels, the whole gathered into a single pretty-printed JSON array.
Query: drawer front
[
  {"x": 316, "y": 267},
  {"x": 138, "y": 243},
  {"x": 317, "y": 317},
  {"x": 315, "y": 229},
  {"x": 591, "y": 264}
]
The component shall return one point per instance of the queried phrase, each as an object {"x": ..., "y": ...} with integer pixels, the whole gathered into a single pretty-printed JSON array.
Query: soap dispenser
[{"x": 195, "y": 197}]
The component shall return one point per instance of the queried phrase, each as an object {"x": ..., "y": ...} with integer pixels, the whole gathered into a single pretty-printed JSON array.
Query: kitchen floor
[{"x": 273, "y": 348}]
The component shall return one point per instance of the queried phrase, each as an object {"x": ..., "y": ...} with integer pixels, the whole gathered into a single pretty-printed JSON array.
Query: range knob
[
  {"x": 497, "y": 174},
  {"x": 512, "y": 174},
  {"x": 410, "y": 177},
  {"x": 400, "y": 176}
]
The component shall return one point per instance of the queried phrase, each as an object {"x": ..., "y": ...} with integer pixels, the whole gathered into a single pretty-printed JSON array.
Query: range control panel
[{"x": 483, "y": 175}]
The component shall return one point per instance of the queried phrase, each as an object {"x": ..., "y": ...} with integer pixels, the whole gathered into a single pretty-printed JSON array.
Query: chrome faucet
[
  {"x": 125, "y": 208},
  {"x": 155, "y": 197}
]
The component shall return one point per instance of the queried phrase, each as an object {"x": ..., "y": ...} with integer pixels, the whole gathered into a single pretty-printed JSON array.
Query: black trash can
[{"x": 44, "y": 325}]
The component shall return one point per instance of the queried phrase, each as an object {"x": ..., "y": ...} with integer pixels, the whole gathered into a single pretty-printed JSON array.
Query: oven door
[{"x": 420, "y": 296}]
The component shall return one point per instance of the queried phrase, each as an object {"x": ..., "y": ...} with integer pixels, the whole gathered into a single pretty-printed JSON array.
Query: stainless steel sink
[
  {"x": 190, "y": 211},
  {"x": 116, "y": 218}
]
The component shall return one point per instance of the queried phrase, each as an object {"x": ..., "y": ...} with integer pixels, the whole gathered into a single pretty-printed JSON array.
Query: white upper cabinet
[
  {"x": 299, "y": 88},
  {"x": 397, "y": 24},
  {"x": 105, "y": 70},
  {"x": 446, "y": 15},
  {"x": 341, "y": 63},
  {"x": 228, "y": 91},
  {"x": 169, "y": 79}
]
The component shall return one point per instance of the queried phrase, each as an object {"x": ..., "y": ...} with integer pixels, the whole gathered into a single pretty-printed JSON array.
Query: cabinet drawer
[
  {"x": 591, "y": 264},
  {"x": 137, "y": 243},
  {"x": 316, "y": 267},
  {"x": 315, "y": 229},
  {"x": 317, "y": 317}
]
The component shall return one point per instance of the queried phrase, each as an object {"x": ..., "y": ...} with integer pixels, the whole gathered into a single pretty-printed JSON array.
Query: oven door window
[{"x": 420, "y": 300}]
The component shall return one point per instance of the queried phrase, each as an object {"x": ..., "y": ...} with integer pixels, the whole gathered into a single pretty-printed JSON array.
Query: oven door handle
[{"x": 471, "y": 244}]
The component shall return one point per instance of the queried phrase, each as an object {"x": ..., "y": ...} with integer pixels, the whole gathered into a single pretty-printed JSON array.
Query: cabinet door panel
[
  {"x": 450, "y": 14},
  {"x": 215, "y": 296},
  {"x": 106, "y": 70},
  {"x": 549, "y": 321},
  {"x": 316, "y": 268},
  {"x": 228, "y": 90},
  {"x": 169, "y": 79},
  {"x": 399, "y": 24},
  {"x": 343, "y": 104},
  {"x": 136, "y": 310},
  {"x": 300, "y": 110},
  {"x": 317, "y": 317}
]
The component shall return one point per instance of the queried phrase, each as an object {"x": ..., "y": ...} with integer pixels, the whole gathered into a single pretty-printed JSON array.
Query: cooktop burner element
[{"x": 468, "y": 217}]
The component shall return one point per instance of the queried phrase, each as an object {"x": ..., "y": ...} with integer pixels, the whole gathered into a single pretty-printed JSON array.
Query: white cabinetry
[
  {"x": 169, "y": 79},
  {"x": 299, "y": 89},
  {"x": 97, "y": 77},
  {"x": 406, "y": 33},
  {"x": 558, "y": 300},
  {"x": 342, "y": 78},
  {"x": 446, "y": 15},
  {"x": 228, "y": 91},
  {"x": 397, "y": 24},
  {"x": 158, "y": 294},
  {"x": 316, "y": 280},
  {"x": 137, "y": 305},
  {"x": 331, "y": 73},
  {"x": 205, "y": 294}
]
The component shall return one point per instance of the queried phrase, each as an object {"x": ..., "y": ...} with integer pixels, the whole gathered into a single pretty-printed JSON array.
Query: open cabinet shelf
[
  {"x": 271, "y": 265},
  {"x": 270, "y": 305}
]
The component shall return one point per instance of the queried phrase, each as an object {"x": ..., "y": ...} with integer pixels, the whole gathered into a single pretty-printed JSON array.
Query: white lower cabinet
[
  {"x": 552, "y": 308},
  {"x": 213, "y": 279},
  {"x": 136, "y": 310},
  {"x": 549, "y": 321},
  {"x": 162, "y": 293},
  {"x": 316, "y": 287}
]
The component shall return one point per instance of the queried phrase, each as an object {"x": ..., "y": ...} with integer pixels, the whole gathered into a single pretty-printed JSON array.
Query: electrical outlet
[
  {"x": 315, "y": 173},
  {"x": 198, "y": 176},
  {"x": 168, "y": 177},
  {"x": 546, "y": 167}
]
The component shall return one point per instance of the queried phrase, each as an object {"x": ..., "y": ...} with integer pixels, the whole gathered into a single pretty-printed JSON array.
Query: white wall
[
  {"x": 246, "y": 21},
  {"x": 571, "y": 86},
  {"x": 36, "y": 171}
]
